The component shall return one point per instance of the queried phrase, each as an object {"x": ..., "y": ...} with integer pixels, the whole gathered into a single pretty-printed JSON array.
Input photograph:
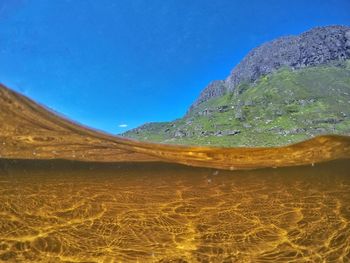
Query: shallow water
[{"x": 67, "y": 211}]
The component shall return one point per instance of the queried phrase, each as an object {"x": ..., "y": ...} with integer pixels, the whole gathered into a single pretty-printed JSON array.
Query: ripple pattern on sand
[{"x": 174, "y": 214}]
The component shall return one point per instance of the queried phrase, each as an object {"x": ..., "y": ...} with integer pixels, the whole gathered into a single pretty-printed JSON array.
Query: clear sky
[{"x": 112, "y": 63}]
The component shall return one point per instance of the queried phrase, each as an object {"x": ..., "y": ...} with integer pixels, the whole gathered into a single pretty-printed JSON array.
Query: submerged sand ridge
[
  {"x": 30, "y": 131},
  {"x": 62, "y": 211}
]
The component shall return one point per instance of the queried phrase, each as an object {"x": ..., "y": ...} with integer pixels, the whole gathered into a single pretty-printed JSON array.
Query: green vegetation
[{"x": 284, "y": 107}]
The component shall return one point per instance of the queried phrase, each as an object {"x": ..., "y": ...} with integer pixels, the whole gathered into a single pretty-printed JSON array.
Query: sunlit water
[{"x": 73, "y": 212}]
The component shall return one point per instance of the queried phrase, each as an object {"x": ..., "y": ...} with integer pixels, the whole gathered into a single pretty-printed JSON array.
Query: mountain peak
[{"x": 320, "y": 45}]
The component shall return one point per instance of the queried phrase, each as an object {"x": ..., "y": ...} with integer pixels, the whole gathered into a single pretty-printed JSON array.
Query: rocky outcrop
[
  {"x": 215, "y": 88},
  {"x": 320, "y": 45}
]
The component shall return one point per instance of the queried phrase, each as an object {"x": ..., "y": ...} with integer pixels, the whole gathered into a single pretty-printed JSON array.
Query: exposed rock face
[
  {"x": 179, "y": 134},
  {"x": 320, "y": 45},
  {"x": 265, "y": 59},
  {"x": 215, "y": 88}
]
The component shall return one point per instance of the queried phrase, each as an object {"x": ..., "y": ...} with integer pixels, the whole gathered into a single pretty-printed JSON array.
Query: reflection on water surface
[{"x": 74, "y": 212}]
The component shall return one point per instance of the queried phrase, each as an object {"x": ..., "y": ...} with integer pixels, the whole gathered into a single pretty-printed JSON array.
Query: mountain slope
[
  {"x": 283, "y": 91},
  {"x": 280, "y": 108}
]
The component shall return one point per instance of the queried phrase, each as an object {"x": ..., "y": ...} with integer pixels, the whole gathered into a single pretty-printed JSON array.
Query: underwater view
[
  {"x": 169, "y": 131},
  {"x": 61, "y": 211}
]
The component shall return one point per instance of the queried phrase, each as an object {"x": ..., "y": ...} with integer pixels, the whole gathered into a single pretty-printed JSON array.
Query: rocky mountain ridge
[{"x": 320, "y": 45}]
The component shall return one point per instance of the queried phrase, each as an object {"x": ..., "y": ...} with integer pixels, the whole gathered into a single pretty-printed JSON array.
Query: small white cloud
[{"x": 123, "y": 125}]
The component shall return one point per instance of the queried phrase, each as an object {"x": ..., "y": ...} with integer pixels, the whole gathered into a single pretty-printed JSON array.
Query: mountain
[
  {"x": 318, "y": 46},
  {"x": 32, "y": 132},
  {"x": 286, "y": 90}
]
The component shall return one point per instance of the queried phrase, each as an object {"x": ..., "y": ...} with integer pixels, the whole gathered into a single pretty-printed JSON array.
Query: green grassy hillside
[{"x": 284, "y": 107}]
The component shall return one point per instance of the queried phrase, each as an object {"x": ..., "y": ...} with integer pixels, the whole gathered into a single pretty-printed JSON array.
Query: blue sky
[{"x": 108, "y": 63}]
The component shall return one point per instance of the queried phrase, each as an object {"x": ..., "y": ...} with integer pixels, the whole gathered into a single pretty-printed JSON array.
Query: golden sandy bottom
[{"x": 71, "y": 212}]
